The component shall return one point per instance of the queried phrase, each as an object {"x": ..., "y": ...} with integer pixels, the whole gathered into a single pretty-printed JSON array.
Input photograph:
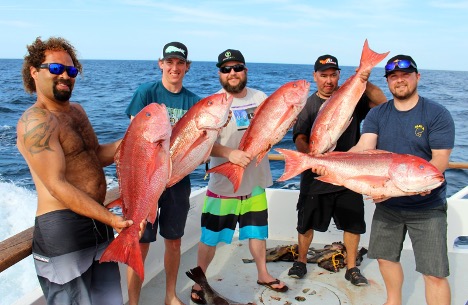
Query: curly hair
[{"x": 36, "y": 56}]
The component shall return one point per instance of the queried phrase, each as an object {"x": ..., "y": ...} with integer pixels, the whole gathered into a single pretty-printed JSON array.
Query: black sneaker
[
  {"x": 298, "y": 270},
  {"x": 355, "y": 277}
]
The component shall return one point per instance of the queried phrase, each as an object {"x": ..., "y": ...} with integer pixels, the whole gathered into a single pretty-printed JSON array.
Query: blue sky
[{"x": 270, "y": 31}]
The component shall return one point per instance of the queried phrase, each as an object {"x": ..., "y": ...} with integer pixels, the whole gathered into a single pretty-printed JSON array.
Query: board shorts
[
  {"x": 221, "y": 215},
  {"x": 173, "y": 208},
  {"x": 66, "y": 251},
  {"x": 345, "y": 207},
  {"x": 427, "y": 230}
]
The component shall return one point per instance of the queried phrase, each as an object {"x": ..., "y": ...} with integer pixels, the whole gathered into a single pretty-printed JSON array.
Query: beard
[
  {"x": 403, "y": 95},
  {"x": 61, "y": 95},
  {"x": 234, "y": 89}
]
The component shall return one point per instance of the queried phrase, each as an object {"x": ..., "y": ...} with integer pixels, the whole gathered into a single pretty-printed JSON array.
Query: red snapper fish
[
  {"x": 335, "y": 115},
  {"x": 194, "y": 134},
  {"x": 271, "y": 121},
  {"x": 375, "y": 173},
  {"x": 143, "y": 167}
]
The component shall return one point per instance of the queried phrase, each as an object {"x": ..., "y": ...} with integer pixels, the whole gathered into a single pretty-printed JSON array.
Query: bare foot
[
  {"x": 269, "y": 279},
  {"x": 174, "y": 301}
]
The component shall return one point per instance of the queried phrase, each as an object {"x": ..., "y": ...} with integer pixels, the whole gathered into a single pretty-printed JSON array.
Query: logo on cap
[
  {"x": 172, "y": 49},
  {"x": 327, "y": 61}
]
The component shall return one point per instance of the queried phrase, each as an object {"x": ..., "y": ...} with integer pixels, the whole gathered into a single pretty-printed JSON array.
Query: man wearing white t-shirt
[{"x": 223, "y": 208}]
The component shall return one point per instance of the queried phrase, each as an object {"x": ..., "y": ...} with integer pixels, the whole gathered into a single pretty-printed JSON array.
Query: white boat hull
[{"x": 236, "y": 280}]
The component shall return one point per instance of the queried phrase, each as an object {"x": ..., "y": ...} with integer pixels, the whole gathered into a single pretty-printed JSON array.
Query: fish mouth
[{"x": 432, "y": 183}]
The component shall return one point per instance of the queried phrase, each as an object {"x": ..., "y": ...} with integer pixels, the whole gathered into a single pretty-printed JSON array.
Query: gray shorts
[
  {"x": 100, "y": 284},
  {"x": 427, "y": 230}
]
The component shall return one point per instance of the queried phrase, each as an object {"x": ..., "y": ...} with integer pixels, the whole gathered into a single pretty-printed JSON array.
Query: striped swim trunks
[{"x": 221, "y": 214}]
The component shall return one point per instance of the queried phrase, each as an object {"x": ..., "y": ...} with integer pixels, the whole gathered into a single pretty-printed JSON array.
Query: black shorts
[
  {"x": 316, "y": 211},
  {"x": 173, "y": 207}
]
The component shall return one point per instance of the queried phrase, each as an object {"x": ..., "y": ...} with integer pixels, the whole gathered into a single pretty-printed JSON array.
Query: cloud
[
  {"x": 450, "y": 5},
  {"x": 16, "y": 23}
]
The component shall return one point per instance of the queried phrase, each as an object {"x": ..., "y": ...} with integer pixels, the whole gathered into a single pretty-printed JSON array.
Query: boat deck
[
  {"x": 232, "y": 278},
  {"x": 236, "y": 280}
]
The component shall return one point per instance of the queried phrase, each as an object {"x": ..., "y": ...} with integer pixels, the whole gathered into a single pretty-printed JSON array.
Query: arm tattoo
[{"x": 37, "y": 132}]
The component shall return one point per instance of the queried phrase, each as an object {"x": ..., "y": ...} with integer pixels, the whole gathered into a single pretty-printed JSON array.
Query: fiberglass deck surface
[{"x": 232, "y": 278}]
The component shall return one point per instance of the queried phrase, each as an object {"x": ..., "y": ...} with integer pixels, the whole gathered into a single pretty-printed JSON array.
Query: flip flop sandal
[
  {"x": 200, "y": 299},
  {"x": 275, "y": 282}
]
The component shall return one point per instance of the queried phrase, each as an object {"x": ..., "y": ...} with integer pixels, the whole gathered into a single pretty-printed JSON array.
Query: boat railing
[{"x": 17, "y": 247}]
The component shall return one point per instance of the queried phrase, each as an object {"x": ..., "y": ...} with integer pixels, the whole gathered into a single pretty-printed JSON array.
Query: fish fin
[
  {"x": 369, "y": 58},
  {"x": 327, "y": 179},
  {"x": 116, "y": 203},
  {"x": 125, "y": 248},
  {"x": 198, "y": 276},
  {"x": 293, "y": 163},
  {"x": 332, "y": 148},
  {"x": 153, "y": 212},
  {"x": 117, "y": 153},
  {"x": 372, "y": 181},
  {"x": 372, "y": 152},
  {"x": 261, "y": 155},
  {"x": 198, "y": 142},
  {"x": 232, "y": 171}
]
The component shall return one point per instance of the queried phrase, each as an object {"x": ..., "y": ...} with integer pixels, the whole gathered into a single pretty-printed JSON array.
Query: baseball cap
[
  {"x": 400, "y": 63},
  {"x": 175, "y": 50},
  {"x": 230, "y": 55},
  {"x": 325, "y": 62}
]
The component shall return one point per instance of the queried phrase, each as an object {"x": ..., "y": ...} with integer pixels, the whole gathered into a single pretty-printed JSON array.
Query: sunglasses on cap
[
  {"x": 401, "y": 63},
  {"x": 58, "y": 69},
  {"x": 236, "y": 68}
]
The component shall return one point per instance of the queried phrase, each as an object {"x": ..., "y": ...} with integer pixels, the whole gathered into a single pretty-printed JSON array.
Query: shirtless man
[{"x": 72, "y": 227}]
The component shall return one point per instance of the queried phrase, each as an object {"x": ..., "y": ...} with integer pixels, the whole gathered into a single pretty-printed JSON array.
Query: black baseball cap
[
  {"x": 175, "y": 50},
  {"x": 230, "y": 55},
  {"x": 325, "y": 62},
  {"x": 400, "y": 63}
]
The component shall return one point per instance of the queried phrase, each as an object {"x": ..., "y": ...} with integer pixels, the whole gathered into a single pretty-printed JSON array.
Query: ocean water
[{"x": 105, "y": 89}]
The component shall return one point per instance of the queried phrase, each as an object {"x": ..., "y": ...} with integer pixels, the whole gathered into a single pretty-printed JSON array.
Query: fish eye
[
  {"x": 148, "y": 114},
  {"x": 210, "y": 103},
  {"x": 421, "y": 166}
]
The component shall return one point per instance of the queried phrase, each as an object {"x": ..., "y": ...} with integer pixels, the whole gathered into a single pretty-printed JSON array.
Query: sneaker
[
  {"x": 355, "y": 277},
  {"x": 298, "y": 270}
]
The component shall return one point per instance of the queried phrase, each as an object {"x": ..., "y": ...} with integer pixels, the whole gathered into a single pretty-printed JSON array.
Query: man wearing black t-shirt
[{"x": 319, "y": 201}]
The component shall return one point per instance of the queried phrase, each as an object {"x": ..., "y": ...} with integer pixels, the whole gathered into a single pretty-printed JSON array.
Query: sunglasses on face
[
  {"x": 402, "y": 64},
  {"x": 236, "y": 68},
  {"x": 58, "y": 69}
]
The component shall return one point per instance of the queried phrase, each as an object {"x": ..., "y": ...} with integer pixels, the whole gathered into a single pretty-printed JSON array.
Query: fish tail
[
  {"x": 232, "y": 171},
  {"x": 293, "y": 163},
  {"x": 369, "y": 58},
  {"x": 125, "y": 248},
  {"x": 198, "y": 276}
]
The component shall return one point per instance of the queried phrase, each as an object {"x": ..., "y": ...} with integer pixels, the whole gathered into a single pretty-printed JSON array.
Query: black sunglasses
[
  {"x": 236, "y": 68},
  {"x": 58, "y": 69}
]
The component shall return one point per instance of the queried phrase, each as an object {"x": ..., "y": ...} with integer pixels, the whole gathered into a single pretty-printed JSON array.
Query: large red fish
[
  {"x": 194, "y": 134},
  {"x": 143, "y": 168},
  {"x": 271, "y": 121},
  {"x": 335, "y": 115},
  {"x": 375, "y": 173}
]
